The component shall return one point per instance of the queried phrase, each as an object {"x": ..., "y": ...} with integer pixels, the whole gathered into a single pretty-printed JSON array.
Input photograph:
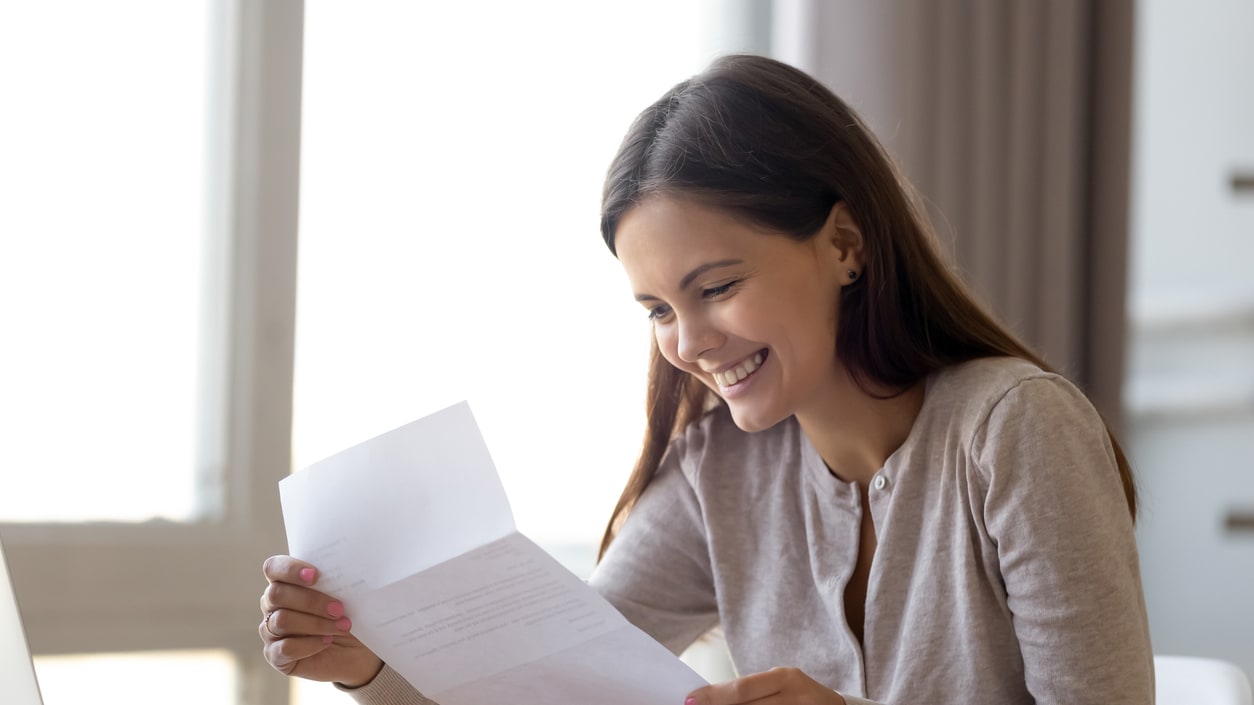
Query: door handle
[{"x": 1240, "y": 522}]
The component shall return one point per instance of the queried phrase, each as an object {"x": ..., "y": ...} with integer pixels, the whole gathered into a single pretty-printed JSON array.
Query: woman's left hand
[{"x": 778, "y": 686}]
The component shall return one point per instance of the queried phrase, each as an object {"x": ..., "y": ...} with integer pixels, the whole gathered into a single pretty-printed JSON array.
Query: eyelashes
[
  {"x": 717, "y": 291},
  {"x": 661, "y": 311}
]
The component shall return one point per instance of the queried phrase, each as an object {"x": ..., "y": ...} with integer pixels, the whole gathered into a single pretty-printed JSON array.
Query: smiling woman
[
  {"x": 882, "y": 501},
  {"x": 735, "y": 306}
]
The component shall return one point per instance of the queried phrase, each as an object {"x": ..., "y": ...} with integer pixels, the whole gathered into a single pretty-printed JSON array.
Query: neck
[{"x": 856, "y": 432}]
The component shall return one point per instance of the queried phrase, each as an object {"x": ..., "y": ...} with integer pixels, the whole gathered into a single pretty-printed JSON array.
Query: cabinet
[{"x": 1189, "y": 392}]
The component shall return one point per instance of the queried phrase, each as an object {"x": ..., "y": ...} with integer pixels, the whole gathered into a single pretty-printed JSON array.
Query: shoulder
[
  {"x": 1014, "y": 416},
  {"x": 992, "y": 402},
  {"x": 986, "y": 379},
  {"x": 979, "y": 389}
]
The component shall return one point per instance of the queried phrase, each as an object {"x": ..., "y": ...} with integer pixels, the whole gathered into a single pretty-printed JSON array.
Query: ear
[{"x": 841, "y": 239}]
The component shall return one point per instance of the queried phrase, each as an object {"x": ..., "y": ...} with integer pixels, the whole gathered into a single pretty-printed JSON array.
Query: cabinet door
[{"x": 1190, "y": 386}]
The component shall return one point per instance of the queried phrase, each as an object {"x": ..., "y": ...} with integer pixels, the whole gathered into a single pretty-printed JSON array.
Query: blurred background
[{"x": 236, "y": 237}]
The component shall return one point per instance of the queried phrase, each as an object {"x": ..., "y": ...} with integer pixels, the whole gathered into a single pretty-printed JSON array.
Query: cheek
[
  {"x": 811, "y": 329},
  {"x": 819, "y": 307}
]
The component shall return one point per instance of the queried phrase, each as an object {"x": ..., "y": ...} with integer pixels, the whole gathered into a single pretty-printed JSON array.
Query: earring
[{"x": 853, "y": 274}]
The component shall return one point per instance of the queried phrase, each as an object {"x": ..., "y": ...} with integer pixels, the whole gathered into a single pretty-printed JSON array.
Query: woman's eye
[
  {"x": 716, "y": 291},
  {"x": 659, "y": 312}
]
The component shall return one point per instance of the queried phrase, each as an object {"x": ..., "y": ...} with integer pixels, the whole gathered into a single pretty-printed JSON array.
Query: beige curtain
[{"x": 1013, "y": 119}]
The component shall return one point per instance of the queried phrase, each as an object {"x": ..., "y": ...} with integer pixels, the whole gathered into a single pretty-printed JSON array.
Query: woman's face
[{"x": 752, "y": 314}]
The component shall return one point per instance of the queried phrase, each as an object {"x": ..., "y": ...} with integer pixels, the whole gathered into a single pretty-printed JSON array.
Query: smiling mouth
[{"x": 737, "y": 374}]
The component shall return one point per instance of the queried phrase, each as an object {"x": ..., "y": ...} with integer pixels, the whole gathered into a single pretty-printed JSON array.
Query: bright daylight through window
[
  {"x": 451, "y": 171},
  {"x": 101, "y": 262}
]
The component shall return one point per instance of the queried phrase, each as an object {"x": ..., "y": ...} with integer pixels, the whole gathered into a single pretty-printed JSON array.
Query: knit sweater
[{"x": 1005, "y": 569}]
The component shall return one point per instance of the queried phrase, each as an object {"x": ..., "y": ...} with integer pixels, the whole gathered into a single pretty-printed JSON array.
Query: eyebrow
[{"x": 690, "y": 277}]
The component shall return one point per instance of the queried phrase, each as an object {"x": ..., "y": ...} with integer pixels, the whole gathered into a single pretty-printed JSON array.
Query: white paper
[{"x": 413, "y": 532}]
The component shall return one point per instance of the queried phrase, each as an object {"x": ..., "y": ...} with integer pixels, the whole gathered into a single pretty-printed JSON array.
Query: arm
[{"x": 1055, "y": 509}]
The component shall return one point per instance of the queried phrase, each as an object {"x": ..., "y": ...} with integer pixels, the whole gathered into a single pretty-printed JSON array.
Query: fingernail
[
  {"x": 327, "y": 639},
  {"x": 343, "y": 624},
  {"x": 690, "y": 701},
  {"x": 307, "y": 574},
  {"x": 335, "y": 609}
]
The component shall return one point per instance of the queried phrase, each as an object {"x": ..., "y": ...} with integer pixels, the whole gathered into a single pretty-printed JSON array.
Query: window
[
  {"x": 101, "y": 265},
  {"x": 147, "y": 265},
  {"x": 144, "y": 678}
]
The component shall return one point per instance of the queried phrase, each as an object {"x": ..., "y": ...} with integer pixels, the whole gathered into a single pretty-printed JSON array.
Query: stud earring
[{"x": 853, "y": 274}]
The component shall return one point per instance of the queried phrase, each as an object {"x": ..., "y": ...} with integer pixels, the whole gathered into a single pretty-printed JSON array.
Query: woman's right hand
[{"x": 305, "y": 633}]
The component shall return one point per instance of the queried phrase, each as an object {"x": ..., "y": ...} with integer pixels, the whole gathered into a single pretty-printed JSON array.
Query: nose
[{"x": 696, "y": 337}]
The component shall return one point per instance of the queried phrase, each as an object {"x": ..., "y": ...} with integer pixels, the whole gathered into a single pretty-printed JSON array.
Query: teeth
[{"x": 739, "y": 372}]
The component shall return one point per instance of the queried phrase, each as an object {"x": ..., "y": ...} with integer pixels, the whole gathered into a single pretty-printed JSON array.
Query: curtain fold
[{"x": 1013, "y": 119}]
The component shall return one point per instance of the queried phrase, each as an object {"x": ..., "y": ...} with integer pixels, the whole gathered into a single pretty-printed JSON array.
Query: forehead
[
  {"x": 672, "y": 218},
  {"x": 664, "y": 234}
]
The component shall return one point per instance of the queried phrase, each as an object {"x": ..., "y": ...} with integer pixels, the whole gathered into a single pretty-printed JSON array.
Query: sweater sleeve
[
  {"x": 1055, "y": 510},
  {"x": 387, "y": 688},
  {"x": 657, "y": 571}
]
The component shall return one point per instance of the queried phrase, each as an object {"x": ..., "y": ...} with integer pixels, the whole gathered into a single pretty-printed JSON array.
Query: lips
[{"x": 734, "y": 375}]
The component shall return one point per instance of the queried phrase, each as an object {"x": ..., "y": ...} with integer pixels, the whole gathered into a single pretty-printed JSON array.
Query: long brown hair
[{"x": 771, "y": 145}]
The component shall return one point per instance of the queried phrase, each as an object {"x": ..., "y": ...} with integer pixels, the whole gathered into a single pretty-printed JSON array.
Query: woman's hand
[
  {"x": 778, "y": 686},
  {"x": 305, "y": 632}
]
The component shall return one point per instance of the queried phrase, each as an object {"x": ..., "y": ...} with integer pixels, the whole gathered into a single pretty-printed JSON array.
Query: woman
[{"x": 849, "y": 465}]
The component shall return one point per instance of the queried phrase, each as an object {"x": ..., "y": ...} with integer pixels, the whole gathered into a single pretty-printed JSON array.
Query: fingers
[
  {"x": 282, "y": 622},
  {"x": 290, "y": 608},
  {"x": 295, "y": 597},
  {"x": 289, "y": 589},
  {"x": 286, "y": 569},
  {"x": 285, "y": 654},
  {"x": 738, "y": 691}
]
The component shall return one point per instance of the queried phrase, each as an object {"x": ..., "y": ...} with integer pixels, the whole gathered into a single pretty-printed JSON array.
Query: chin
[{"x": 752, "y": 421}]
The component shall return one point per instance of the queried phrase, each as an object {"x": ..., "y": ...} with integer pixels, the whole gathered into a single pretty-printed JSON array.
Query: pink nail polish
[
  {"x": 335, "y": 609},
  {"x": 327, "y": 639},
  {"x": 690, "y": 701},
  {"x": 343, "y": 624},
  {"x": 307, "y": 575}
]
